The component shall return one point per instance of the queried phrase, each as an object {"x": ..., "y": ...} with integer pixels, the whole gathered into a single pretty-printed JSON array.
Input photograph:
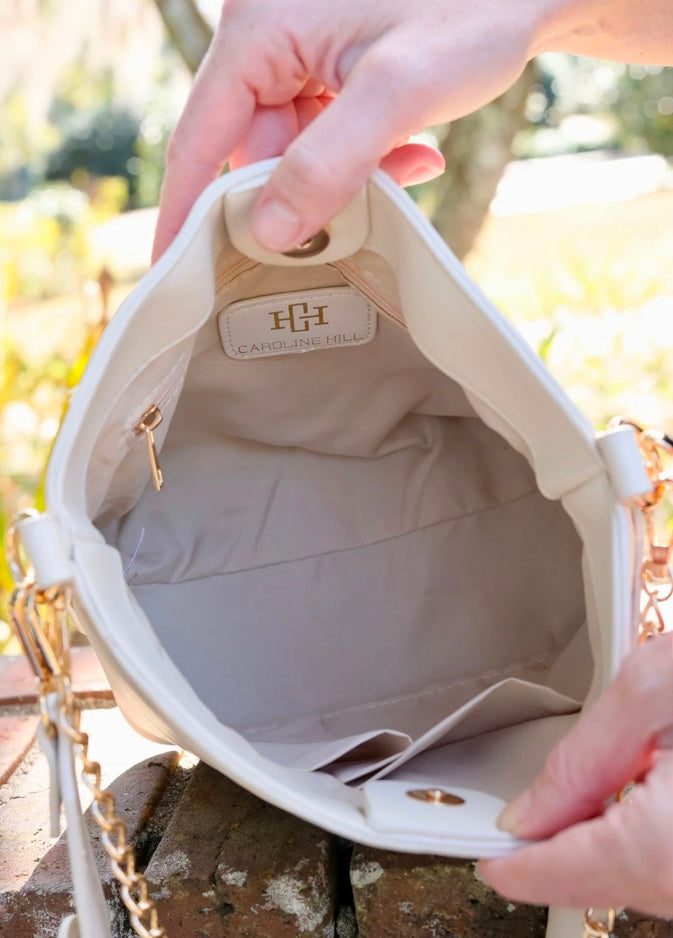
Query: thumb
[
  {"x": 610, "y": 745},
  {"x": 332, "y": 158}
]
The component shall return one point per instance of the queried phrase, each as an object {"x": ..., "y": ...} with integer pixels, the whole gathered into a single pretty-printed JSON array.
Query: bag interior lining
[
  {"x": 299, "y": 566},
  {"x": 129, "y": 560}
]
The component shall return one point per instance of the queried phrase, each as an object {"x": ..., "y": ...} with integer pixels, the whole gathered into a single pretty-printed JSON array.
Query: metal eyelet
[
  {"x": 435, "y": 796},
  {"x": 312, "y": 246}
]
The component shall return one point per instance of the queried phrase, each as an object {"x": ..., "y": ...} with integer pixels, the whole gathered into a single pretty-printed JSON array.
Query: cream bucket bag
[{"x": 331, "y": 525}]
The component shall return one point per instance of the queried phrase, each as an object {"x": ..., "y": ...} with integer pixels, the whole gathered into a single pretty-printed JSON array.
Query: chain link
[
  {"x": 656, "y": 581},
  {"x": 595, "y": 927},
  {"x": 134, "y": 890}
]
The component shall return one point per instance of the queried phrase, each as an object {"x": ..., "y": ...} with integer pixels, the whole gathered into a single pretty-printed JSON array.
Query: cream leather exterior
[{"x": 145, "y": 352}]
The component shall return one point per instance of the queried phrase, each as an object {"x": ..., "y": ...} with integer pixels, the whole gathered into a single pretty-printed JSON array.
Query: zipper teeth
[
  {"x": 241, "y": 266},
  {"x": 174, "y": 378},
  {"x": 167, "y": 388},
  {"x": 348, "y": 271},
  {"x": 161, "y": 397},
  {"x": 357, "y": 280}
]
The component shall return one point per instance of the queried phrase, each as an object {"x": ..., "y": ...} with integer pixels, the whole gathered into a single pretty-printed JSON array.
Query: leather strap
[
  {"x": 92, "y": 919},
  {"x": 565, "y": 923}
]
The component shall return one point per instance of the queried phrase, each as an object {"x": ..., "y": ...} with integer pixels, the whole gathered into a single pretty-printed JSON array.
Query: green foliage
[
  {"x": 545, "y": 346},
  {"x": 150, "y": 147},
  {"x": 87, "y": 135},
  {"x": 45, "y": 237},
  {"x": 25, "y": 143},
  {"x": 33, "y": 398},
  {"x": 580, "y": 104},
  {"x": 644, "y": 108},
  {"x": 99, "y": 142}
]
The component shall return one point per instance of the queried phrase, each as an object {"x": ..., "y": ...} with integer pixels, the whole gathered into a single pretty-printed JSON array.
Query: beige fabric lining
[{"x": 344, "y": 554}]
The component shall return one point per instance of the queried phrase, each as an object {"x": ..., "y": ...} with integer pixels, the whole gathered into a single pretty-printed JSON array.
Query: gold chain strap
[
  {"x": 595, "y": 927},
  {"x": 656, "y": 580},
  {"x": 134, "y": 890},
  {"x": 40, "y": 619}
]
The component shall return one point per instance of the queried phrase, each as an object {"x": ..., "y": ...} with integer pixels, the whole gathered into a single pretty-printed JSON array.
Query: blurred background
[{"x": 558, "y": 197}]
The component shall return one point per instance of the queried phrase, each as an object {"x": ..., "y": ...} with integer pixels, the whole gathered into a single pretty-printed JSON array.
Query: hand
[
  {"x": 620, "y": 856},
  {"x": 338, "y": 87}
]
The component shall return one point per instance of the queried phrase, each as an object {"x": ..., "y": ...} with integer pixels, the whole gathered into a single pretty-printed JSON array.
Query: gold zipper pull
[{"x": 147, "y": 424}]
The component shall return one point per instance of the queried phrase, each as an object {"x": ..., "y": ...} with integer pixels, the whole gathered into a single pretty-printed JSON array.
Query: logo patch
[{"x": 286, "y": 323}]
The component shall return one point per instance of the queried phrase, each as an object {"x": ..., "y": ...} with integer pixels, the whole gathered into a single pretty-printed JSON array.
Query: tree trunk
[
  {"x": 189, "y": 31},
  {"x": 477, "y": 148}
]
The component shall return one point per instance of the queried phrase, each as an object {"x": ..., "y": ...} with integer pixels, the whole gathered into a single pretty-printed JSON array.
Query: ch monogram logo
[{"x": 298, "y": 312}]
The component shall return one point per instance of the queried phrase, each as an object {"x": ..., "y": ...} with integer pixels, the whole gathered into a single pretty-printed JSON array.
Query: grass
[
  {"x": 585, "y": 259},
  {"x": 591, "y": 288}
]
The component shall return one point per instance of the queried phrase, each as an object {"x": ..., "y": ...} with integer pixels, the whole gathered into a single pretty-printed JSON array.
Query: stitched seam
[
  {"x": 417, "y": 695},
  {"x": 341, "y": 550},
  {"x": 345, "y": 291},
  {"x": 240, "y": 269},
  {"x": 362, "y": 285}
]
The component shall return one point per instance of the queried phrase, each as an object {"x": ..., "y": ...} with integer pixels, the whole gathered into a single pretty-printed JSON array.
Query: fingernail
[
  {"x": 421, "y": 174},
  {"x": 276, "y": 226},
  {"x": 514, "y": 813}
]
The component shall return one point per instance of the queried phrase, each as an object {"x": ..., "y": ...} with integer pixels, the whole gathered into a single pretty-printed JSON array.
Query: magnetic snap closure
[
  {"x": 346, "y": 234},
  {"x": 418, "y": 811},
  {"x": 312, "y": 246},
  {"x": 435, "y": 796}
]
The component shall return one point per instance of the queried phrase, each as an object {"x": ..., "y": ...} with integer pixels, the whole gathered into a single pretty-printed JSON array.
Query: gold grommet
[
  {"x": 312, "y": 246},
  {"x": 435, "y": 796}
]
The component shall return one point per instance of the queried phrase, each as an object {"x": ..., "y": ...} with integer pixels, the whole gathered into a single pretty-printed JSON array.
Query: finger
[
  {"x": 216, "y": 117},
  {"x": 307, "y": 109},
  {"x": 580, "y": 867},
  {"x": 271, "y": 130},
  {"x": 610, "y": 744},
  {"x": 327, "y": 164},
  {"x": 622, "y": 858},
  {"x": 413, "y": 163},
  {"x": 312, "y": 89}
]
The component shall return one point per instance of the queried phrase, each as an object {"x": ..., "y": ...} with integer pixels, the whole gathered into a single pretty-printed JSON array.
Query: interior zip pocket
[
  {"x": 146, "y": 422},
  {"x": 350, "y": 272}
]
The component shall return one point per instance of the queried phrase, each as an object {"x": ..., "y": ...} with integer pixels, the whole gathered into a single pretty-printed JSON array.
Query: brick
[
  {"x": 632, "y": 924},
  {"x": 35, "y": 888},
  {"x": 18, "y": 684},
  {"x": 231, "y": 866},
  {"x": 16, "y": 735},
  {"x": 401, "y": 896}
]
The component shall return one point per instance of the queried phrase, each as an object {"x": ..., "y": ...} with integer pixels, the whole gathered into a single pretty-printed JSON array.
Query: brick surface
[
  {"x": 16, "y": 735},
  {"x": 632, "y": 924},
  {"x": 223, "y": 864},
  {"x": 19, "y": 686},
  {"x": 35, "y": 888},
  {"x": 231, "y": 865},
  {"x": 401, "y": 896}
]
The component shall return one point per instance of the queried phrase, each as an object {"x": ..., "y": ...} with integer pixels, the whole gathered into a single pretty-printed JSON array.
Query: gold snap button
[
  {"x": 312, "y": 246},
  {"x": 435, "y": 796}
]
